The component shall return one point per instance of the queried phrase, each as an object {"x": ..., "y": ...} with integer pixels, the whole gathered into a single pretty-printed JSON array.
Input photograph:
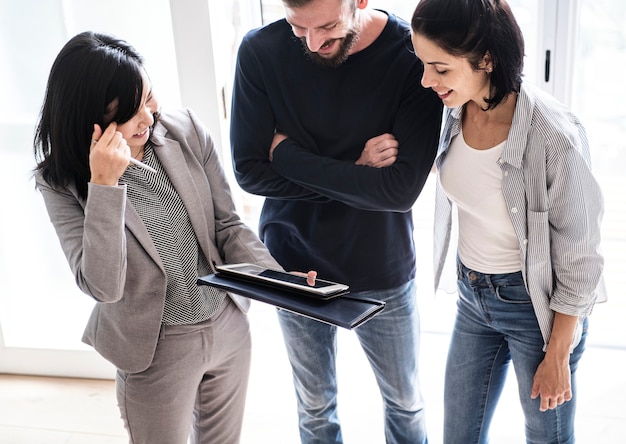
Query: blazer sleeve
[{"x": 92, "y": 236}]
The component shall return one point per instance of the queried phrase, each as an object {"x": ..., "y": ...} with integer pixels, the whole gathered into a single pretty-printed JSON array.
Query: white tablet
[{"x": 322, "y": 288}]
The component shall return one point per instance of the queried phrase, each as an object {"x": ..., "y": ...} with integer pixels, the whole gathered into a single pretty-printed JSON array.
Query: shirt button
[
  {"x": 514, "y": 210},
  {"x": 525, "y": 241},
  {"x": 506, "y": 173}
]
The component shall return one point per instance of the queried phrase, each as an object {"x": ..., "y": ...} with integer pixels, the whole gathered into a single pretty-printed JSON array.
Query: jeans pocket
[{"x": 513, "y": 294}]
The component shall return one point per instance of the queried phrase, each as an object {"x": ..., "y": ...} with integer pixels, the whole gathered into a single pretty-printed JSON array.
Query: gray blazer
[{"x": 113, "y": 257}]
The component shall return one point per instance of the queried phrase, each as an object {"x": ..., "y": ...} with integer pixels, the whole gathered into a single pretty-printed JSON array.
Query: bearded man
[{"x": 331, "y": 124}]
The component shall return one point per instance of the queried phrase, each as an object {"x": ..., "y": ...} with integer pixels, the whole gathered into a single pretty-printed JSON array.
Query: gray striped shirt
[
  {"x": 554, "y": 202},
  {"x": 165, "y": 217}
]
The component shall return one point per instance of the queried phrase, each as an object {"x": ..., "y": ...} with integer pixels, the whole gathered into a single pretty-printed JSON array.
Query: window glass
[
  {"x": 30, "y": 292},
  {"x": 526, "y": 12},
  {"x": 597, "y": 95},
  {"x": 40, "y": 305},
  {"x": 598, "y": 100}
]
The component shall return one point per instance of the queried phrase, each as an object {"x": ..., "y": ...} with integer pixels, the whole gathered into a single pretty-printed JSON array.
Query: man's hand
[
  {"x": 380, "y": 151},
  {"x": 278, "y": 137}
]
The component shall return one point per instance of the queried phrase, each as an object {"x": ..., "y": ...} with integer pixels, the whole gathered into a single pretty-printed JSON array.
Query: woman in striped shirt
[{"x": 515, "y": 164}]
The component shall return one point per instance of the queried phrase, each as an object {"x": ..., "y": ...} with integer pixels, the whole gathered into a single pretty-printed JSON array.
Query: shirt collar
[{"x": 513, "y": 152}]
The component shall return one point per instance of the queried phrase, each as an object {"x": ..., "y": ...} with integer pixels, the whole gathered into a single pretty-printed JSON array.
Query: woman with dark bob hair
[
  {"x": 515, "y": 164},
  {"x": 136, "y": 240}
]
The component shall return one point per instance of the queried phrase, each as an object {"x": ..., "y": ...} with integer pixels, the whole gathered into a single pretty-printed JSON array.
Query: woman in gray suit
[{"x": 137, "y": 240}]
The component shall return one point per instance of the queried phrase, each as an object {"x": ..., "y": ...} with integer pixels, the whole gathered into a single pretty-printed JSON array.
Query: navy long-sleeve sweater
[{"x": 351, "y": 223}]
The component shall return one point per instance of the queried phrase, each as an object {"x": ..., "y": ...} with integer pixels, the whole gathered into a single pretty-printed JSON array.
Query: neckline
[{"x": 498, "y": 145}]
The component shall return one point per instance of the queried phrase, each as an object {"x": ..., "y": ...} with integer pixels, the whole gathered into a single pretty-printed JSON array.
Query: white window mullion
[
  {"x": 556, "y": 55},
  {"x": 193, "y": 42},
  {"x": 206, "y": 37}
]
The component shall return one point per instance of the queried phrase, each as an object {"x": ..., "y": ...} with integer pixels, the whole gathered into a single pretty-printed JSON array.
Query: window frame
[{"x": 204, "y": 86}]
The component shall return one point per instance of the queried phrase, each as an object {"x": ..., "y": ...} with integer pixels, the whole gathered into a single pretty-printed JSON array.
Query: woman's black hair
[
  {"x": 473, "y": 29},
  {"x": 90, "y": 72}
]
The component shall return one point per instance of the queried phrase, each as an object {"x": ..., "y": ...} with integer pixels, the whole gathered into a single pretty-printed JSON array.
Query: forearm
[
  {"x": 552, "y": 380},
  {"x": 102, "y": 270},
  {"x": 252, "y": 127},
  {"x": 393, "y": 188},
  {"x": 252, "y": 165},
  {"x": 415, "y": 125},
  {"x": 258, "y": 178},
  {"x": 93, "y": 240},
  {"x": 563, "y": 328},
  {"x": 576, "y": 207}
]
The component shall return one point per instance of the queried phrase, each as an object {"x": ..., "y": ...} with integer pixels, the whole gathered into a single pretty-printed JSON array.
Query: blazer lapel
[
  {"x": 178, "y": 170},
  {"x": 136, "y": 226}
]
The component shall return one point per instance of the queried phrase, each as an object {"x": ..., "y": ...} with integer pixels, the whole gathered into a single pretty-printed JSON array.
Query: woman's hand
[
  {"x": 553, "y": 383},
  {"x": 109, "y": 155},
  {"x": 310, "y": 276},
  {"x": 553, "y": 378}
]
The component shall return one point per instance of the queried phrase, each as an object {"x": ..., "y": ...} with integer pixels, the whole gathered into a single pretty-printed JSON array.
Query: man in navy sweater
[{"x": 331, "y": 124}]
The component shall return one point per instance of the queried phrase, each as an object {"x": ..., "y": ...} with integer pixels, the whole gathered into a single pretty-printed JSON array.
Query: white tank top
[{"x": 472, "y": 179}]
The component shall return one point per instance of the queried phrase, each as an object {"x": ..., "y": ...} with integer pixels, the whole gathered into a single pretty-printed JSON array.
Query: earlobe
[
  {"x": 361, "y": 4},
  {"x": 487, "y": 63}
]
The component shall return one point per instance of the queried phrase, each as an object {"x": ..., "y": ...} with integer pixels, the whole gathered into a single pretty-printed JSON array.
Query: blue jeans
[
  {"x": 496, "y": 325},
  {"x": 391, "y": 343}
]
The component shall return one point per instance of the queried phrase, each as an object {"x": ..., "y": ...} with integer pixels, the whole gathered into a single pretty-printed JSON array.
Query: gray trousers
[{"x": 196, "y": 385}]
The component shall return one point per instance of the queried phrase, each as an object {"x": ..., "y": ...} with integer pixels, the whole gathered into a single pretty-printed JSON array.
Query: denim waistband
[{"x": 478, "y": 279}]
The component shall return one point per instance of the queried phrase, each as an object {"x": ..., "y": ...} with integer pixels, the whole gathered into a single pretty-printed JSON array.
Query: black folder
[{"x": 344, "y": 311}]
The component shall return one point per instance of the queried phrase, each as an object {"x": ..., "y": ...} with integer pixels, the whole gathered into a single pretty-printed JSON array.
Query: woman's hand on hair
[{"x": 109, "y": 155}]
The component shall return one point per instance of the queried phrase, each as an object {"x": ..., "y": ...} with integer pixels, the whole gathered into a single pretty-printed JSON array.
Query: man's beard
[{"x": 345, "y": 45}]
